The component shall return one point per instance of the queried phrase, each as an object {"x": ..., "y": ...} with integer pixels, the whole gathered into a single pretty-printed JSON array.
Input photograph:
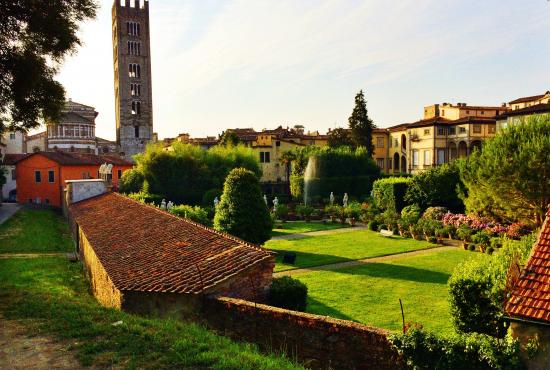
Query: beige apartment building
[{"x": 521, "y": 108}]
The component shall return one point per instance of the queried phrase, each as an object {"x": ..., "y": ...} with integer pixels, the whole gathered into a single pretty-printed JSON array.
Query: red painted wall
[{"x": 51, "y": 192}]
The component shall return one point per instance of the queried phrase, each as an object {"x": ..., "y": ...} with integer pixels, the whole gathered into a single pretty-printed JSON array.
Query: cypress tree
[{"x": 361, "y": 125}]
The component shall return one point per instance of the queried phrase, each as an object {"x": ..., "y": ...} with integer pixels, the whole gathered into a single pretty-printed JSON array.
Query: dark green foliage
[
  {"x": 472, "y": 247},
  {"x": 490, "y": 250},
  {"x": 229, "y": 138},
  {"x": 464, "y": 233},
  {"x": 304, "y": 211},
  {"x": 242, "y": 211},
  {"x": 361, "y": 125},
  {"x": 289, "y": 293},
  {"x": 282, "y": 212},
  {"x": 184, "y": 174},
  {"x": 338, "y": 170},
  {"x": 35, "y": 36},
  {"x": 410, "y": 214},
  {"x": 194, "y": 213},
  {"x": 339, "y": 137},
  {"x": 131, "y": 181},
  {"x": 432, "y": 239},
  {"x": 424, "y": 350},
  {"x": 389, "y": 193},
  {"x": 481, "y": 237},
  {"x": 209, "y": 196},
  {"x": 510, "y": 178},
  {"x": 373, "y": 225},
  {"x": 438, "y": 186},
  {"x": 478, "y": 288}
]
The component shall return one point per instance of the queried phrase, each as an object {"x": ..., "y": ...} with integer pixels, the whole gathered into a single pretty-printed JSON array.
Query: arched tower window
[{"x": 136, "y": 131}]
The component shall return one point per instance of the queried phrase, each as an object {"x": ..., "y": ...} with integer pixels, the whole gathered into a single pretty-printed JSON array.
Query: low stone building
[
  {"x": 528, "y": 308},
  {"x": 144, "y": 260}
]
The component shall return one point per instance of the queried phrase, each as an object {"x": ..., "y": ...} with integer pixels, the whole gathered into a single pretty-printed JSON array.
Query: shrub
[
  {"x": 490, "y": 250},
  {"x": 472, "y": 247},
  {"x": 332, "y": 211},
  {"x": 482, "y": 238},
  {"x": 194, "y": 213},
  {"x": 477, "y": 288},
  {"x": 289, "y": 293},
  {"x": 423, "y": 350},
  {"x": 242, "y": 211},
  {"x": 410, "y": 215},
  {"x": 432, "y": 239},
  {"x": 282, "y": 212},
  {"x": 373, "y": 225},
  {"x": 435, "y": 213},
  {"x": 353, "y": 210},
  {"x": 389, "y": 193},
  {"x": 382, "y": 227},
  {"x": 496, "y": 243},
  {"x": 304, "y": 211},
  {"x": 464, "y": 233},
  {"x": 146, "y": 198},
  {"x": 131, "y": 181},
  {"x": 437, "y": 186}
]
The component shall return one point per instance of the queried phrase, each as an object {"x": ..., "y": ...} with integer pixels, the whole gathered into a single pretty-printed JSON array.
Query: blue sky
[{"x": 259, "y": 63}]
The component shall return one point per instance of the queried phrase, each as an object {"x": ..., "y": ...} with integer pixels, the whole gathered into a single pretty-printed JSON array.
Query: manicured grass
[
  {"x": 299, "y": 227},
  {"x": 35, "y": 231},
  {"x": 322, "y": 250},
  {"x": 52, "y": 297},
  {"x": 370, "y": 293}
]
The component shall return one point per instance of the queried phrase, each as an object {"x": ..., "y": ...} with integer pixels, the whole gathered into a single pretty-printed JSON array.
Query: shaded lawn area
[
  {"x": 370, "y": 293},
  {"x": 35, "y": 231},
  {"x": 325, "y": 249},
  {"x": 52, "y": 296},
  {"x": 299, "y": 227}
]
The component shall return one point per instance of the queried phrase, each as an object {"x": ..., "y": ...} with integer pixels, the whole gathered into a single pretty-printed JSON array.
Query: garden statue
[
  {"x": 163, "y": 204},
  {"x": 331, "y": 198},
  {"x": 170, "y": 205},
  {"x": 345, "y": 201},
  {"x": 216, "y": 202},
  {"x": 275, "y": 204},
  {"x": 265, "y": 199}
]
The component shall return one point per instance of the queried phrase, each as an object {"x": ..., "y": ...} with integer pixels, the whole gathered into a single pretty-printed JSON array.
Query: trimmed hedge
[
  {"x": 195, "y": 213},
  {"x": 389, "y": 193},
  {"x": 289, "y": 293}
]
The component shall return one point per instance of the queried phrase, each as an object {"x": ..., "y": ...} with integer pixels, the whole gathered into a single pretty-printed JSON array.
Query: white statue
[
  {"x": 275, "y": 203},
  {"x": 331, "y": 198},
  {"x": 216, "y": 202},
  {"x": 345, "y": 201},
  {"x": 170, "y": 205},
  {"x": 265, "y": 199},
  {"x": 163, "y": 204}
]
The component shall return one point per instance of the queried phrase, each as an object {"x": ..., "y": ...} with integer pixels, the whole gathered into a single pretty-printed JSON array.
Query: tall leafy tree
[
  {"x": 510, "y": 177},
  {"x": 361, "y": 125},
  {"x": 339, "y": 137},
  {"x": 35, "y": 36},
  {"x": 229, "y": 138}
]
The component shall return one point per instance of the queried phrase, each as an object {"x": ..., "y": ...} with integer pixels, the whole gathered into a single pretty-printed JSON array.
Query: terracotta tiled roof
[
  {"x": 79, "y": 159},
  {"x": 143, "y": 248},
  {"x": 530, "y": 298},
  {"x": 470, "y": 119},
  {"x": 11, "y": 159},
  {"x": 527, "y": 98},
  {"x": 538, "y": 108}
]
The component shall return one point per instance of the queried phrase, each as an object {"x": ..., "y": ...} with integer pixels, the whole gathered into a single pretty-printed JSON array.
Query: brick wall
[{"x": 318, "y": 342}]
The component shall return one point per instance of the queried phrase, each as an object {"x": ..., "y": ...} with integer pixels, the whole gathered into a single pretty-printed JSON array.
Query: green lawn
[
  {"x": 35, "y": 231},
  {"x": 299, "y": 227},
  {"x": 321, "y": 250},
  {"x": 52, "y": 297},
  {"x": 370, "y": 293}
]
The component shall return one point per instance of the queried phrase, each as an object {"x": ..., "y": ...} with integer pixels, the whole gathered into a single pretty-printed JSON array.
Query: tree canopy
[
  {"x": 510, "y": 177},
  {"x": 361, "y": 125},
  {"x": 35, "y": 36},
  {"x": 339, "y": 137}
]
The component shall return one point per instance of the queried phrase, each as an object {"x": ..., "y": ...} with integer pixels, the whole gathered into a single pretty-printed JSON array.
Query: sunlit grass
[{"x": 299, "y": 227}]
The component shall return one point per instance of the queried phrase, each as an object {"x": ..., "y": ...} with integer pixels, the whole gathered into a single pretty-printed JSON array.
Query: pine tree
[{"x": 361, "y": 125}]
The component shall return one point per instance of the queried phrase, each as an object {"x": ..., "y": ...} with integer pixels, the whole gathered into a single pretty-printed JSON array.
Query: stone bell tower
[{"x": 132, "y": 75}]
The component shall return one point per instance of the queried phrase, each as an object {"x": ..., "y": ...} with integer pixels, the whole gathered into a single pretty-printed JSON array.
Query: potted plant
[
  {"x": 415, "y": 231},
  {"x": 304, "y": 211},
  {"x": 353, "y": 211},
  {"x": 282, "y": 212},
  {"x": 331, "y": 211},
  {"x": 464, "y": 233},
  {"x": 440, "y": 233},
  {"x": 482, "y": 239}
]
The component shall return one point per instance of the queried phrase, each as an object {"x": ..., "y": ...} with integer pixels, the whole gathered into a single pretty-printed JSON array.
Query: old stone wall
[
  {"x": 166, "y": 305},
  {"x": 526, "y": 332},
  {"x": 250, "y": 284},
  {"x": 102, "y": 287},
  {"x": 318, "y": 342}
]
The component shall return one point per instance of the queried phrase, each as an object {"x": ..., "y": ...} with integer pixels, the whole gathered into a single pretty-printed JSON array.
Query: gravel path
[{"x": 341, "y": 265}]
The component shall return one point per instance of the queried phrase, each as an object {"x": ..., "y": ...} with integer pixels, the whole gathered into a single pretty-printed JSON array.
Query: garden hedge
[{"x": 389, "y": 193}]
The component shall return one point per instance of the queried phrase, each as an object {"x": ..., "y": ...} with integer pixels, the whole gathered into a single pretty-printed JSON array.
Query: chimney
[{"x": 79, "y": 190}]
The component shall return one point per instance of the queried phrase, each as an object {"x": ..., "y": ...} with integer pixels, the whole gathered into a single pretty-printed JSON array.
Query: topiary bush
[
  {"x": 194, "y": 213},
  {"x": 481, "y": 238},
  {"x": 242, "y": 211},
  {"x": 410, "y": 215},
  {"x": 435, "y": 213},
  {"x": 289, "y": 293},
  {"x": 389, "y": 193},
  {"x": 472, "y": 247},
  {"x": 424, "y": 350},
  {"x": 304, "y": 211}
]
